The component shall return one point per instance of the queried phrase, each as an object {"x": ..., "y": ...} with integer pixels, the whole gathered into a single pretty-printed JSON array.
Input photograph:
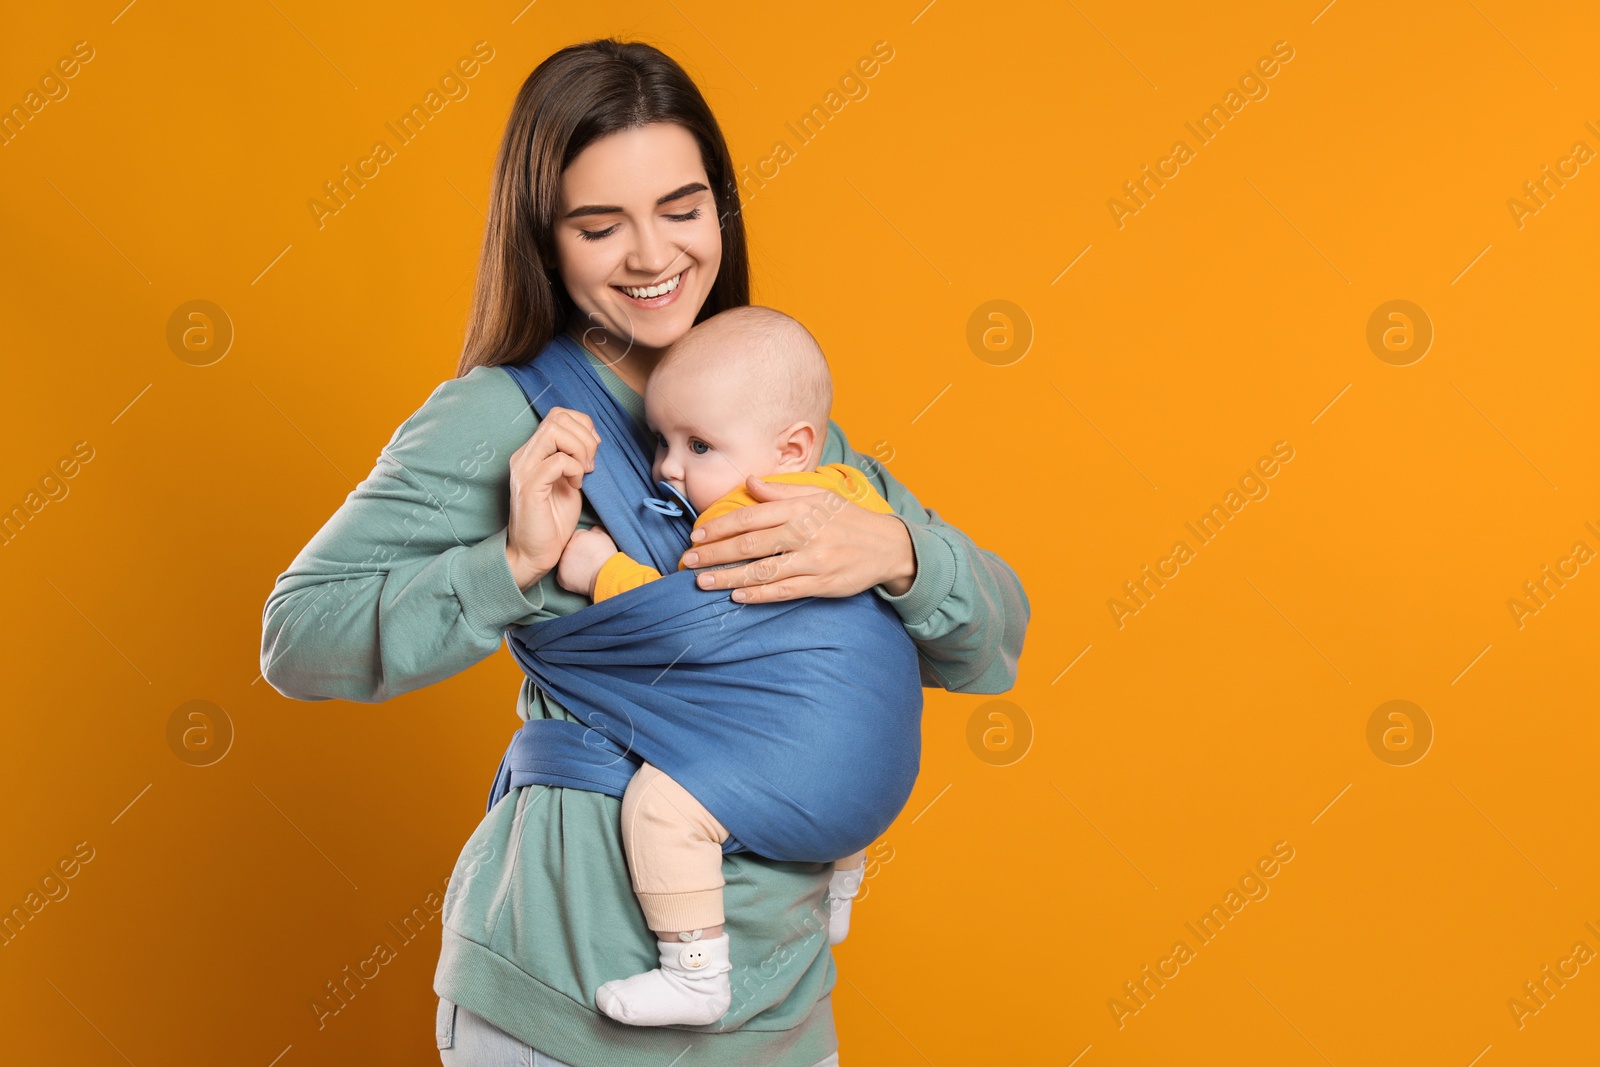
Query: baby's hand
[{"x": 586, "y": 552}]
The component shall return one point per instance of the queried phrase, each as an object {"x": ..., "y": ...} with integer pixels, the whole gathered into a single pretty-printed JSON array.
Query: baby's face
[{"x": 708, "y": 439}]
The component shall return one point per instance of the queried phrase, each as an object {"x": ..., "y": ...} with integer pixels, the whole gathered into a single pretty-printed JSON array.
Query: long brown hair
[{"x": 582, "y": 93}]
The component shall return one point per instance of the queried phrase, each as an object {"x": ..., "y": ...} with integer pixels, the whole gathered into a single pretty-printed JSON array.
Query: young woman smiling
[{"x": 614, "y": 223}]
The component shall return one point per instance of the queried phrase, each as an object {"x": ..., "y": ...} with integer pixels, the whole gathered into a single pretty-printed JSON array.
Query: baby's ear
[{"x": 796, "y": 443}]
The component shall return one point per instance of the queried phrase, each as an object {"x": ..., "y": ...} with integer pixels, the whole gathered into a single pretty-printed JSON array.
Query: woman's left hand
[{"x": 804, "y": 541}]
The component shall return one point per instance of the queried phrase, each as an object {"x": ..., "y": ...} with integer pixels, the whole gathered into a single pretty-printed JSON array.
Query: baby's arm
[{"x": 591, "y": 565}]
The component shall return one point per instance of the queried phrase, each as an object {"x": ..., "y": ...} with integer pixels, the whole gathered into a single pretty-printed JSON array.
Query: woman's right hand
[{"x": 546, "y": 481}]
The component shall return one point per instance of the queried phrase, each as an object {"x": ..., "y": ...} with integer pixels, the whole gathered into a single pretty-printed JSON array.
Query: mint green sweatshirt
[{"x": 408, "y": 583}]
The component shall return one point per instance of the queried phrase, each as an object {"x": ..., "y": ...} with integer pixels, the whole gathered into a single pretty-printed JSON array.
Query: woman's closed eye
[{"x": 596, "y": 235}]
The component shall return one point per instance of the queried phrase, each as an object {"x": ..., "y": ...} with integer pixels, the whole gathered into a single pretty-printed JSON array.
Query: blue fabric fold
[{"x": 796, "y": 723}]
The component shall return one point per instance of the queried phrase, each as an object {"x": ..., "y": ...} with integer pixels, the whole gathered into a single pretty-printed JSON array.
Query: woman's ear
[{"x": 797, "y": 446}]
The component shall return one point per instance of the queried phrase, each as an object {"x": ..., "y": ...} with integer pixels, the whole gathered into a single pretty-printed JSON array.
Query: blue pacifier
[{"x": 673, "y": 507}]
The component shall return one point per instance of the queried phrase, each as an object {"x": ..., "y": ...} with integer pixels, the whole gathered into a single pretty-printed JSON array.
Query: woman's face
[{"x": 636, "y": 213}]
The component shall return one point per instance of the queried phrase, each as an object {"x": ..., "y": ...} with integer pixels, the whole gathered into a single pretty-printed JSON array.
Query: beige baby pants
[{"x": 674, "y": 850}]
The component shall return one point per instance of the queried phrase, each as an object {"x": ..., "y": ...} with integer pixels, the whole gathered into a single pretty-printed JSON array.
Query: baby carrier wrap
[{"x": 798, "y": 724}]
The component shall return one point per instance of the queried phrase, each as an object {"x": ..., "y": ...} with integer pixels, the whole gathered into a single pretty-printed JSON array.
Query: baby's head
[{"x": 745, "y": 392}]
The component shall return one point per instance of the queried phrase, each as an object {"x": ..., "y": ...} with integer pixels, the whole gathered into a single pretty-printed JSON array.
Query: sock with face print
[
  {"x": 691, "y": 986},
  {"x": 842, "y": 888}
]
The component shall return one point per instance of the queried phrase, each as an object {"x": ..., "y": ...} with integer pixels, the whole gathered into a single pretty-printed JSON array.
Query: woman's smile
[{"x": 654, "y": 296}]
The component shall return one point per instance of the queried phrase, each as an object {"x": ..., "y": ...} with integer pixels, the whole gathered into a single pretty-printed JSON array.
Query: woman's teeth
[{"x": 652, "y": 290}]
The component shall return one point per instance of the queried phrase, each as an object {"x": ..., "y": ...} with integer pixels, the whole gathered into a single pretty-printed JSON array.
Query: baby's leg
[
  {"x": 674, "y": 850},
  {"x": 851, "y": 862}
]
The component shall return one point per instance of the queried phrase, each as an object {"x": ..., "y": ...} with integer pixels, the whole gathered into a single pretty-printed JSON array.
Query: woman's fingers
[
  {"x": 573, "y": 433},
  {"x": 780, "y": 567},
  {"x": 785, "y": 580},
  {"x": 562, "y": 430},
  {"x": 556, "y": 466},
  {"x": 546, "y": 491},
  {"x": 572, "y": 415},
  {"x": 828, "y": 552},
  {"x": 546, "y": 497},
  {"x": 750, "y": 532},
  {"x": 541, "y": 467},
  {"x": 776, "y": 566}
]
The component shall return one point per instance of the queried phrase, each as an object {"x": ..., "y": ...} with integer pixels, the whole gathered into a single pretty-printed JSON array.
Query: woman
[{"x": 614, "y": 218}]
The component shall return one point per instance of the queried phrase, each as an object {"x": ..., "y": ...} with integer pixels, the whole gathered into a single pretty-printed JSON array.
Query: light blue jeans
[{"x": 467, "y": 1039}]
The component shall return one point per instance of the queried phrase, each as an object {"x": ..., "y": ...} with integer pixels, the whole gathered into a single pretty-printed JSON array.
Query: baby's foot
[
  {"x": 842, "y": 888},
  {"x": 691, "y": 986}
]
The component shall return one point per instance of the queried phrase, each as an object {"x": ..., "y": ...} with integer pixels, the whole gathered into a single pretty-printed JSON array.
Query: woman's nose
[{"x": 652, "y": 252}]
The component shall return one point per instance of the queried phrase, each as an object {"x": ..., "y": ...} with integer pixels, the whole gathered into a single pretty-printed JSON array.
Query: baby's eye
[{"x": 698, "y": 447}]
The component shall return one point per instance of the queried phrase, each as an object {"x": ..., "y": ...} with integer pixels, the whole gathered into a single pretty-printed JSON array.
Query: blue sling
[{"x": 796, "y": 723}]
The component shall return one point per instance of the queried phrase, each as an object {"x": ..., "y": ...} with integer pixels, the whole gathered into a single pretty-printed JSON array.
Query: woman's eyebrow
[{"x": 604, "y": 209}]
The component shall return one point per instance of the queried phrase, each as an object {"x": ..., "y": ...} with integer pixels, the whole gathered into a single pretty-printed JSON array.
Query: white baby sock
[
  {"x": 842, "y": 888},
  {"x": 691, "y": 986}
]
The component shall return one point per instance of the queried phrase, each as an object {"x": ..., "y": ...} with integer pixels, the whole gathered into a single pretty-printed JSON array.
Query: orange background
[{"x": 1226, "y": 315}]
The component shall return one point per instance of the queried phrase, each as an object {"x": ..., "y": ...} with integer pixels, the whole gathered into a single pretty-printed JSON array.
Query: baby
[{"x": 745, "y": 392}]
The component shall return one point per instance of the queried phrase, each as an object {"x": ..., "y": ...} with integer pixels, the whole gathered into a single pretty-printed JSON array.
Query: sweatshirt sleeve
[
  {"x": 408, "y": 583},
  {"x": 620, "y": 574},
  {"x": 966, "y": 609}
]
